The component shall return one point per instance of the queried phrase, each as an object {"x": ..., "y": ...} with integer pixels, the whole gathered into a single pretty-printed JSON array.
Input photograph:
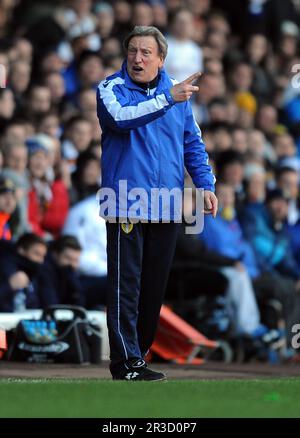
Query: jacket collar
[{"x": 163, "y": 80}]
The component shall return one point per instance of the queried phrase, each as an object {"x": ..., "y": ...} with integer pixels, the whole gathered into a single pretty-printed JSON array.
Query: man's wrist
[{"x": 169, "y": 97}]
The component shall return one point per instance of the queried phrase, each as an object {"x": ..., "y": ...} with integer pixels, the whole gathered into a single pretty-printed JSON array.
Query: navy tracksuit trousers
[{"x": 139, "y": 261}]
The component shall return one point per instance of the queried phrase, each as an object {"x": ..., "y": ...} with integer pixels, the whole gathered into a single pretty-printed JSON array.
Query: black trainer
[{"x": 137, "y": 370}]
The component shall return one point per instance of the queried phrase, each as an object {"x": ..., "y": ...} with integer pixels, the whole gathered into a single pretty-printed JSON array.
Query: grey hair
[{"x": 140, "y": 31}]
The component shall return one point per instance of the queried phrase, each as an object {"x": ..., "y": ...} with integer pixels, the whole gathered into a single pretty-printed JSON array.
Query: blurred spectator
[
  {"x": 15, "y": 130},
  {"x": 105, "y": 19},
  {"x": 259, "y": 146},
  {"x": 230, "y": 167},
  {"x": 111, "y": 49},
  {"x": 4, "y": 60},
  {"x": 247, "y": 106},
  {"x": 76, "y": 19},
  {"x": 86, "y": 179},
  {"x": 19, "y": 79},
  {"x": 225, "y": 228},
  {"x": 21, "y": 50},
  {"x": 142, "y": 14},
  {"x": 51, "y": 61},
  {"x": 18, "y": 221},
  {"x": 60, "y": 273},
  {"x": 284, "y": 145},
  {"x": 48, "y": 200},
  {"x": 239, "y": 140},
  {"x": 221, "y": 136},
  {"x": 20, "y": 268},
  {"x": 257, "y": 51},
  {"x": 255, "y": 184},
  {"x": 267, "y": 120},
  {"x": 77, "y": 138},
  {"x": 84, "y": 222},
  {"x": 261, "y": 16},
  {"x": 216, "y": 45},
  {"x": 241, "y": 77},
  {"x": 218, "y": 110},
  {"x": 264, "y": 227},
  {"x": 38, "y": 100},
  {"x": 212, "y": 86},
  {"x": 160, "y": 16},
  {"x": 7, "y": 107},
  {"x": 216, "y": 21},
  {"x": 216, "y": 235},
  {"x": 87, "y": 103},
  {"x": 287, "y": 45},
  {"x": 55, "y": 83},
  {"x": 184, "y": 56},
  {"x": 15, "y": 169},
  {"x": 86, "y": 70},
  {"x": 90, "y": 69},
  {"x": 8, "y": 203},
  {"x": 15, "y": 156},
  {"x": 287, "y": 180},
  {"x": 123, "y": 14},
  {"x": 48, "y": 123}
]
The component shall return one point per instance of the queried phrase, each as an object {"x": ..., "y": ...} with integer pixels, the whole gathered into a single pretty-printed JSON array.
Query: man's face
[
  {"x": 183, "y": 25},
  {"x": 8, "y": 202},
  {"x": 17, "y": 159},
  {"x": 56, "y": 85},
  {"x": 40, "y": 99},
  {"x": 278, "y": 209},
  {"x": 81, "y": 135},
  {"x": 225, "y": 194},
  {"x": 289, "y": 183},
  {"x": 143, "y": 59},
  {"x": 233, "y": 173},
  {"x": 68, "y": 257},
  {"x": 36, "y": 253},
  {"x": 38, "y": 164}
]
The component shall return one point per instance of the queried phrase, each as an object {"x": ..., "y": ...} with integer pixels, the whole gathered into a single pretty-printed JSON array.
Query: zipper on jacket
[
  {"x": 159, "y": 161},
  {"x": 148, "y": 89}
]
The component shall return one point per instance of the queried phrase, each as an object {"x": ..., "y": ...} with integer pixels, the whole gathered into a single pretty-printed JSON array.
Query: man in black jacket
[
  {"x": 60, "y": 274},
  {"x": 20, "y": 268}
]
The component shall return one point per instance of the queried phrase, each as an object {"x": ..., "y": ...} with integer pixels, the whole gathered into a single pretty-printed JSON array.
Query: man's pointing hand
[{"x": 185, "y": 89}]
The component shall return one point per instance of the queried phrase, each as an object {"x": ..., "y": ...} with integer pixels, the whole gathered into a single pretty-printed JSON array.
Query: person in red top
[
  {"x": 8, "y": 205},
  {"x": 48, "y": 199}
]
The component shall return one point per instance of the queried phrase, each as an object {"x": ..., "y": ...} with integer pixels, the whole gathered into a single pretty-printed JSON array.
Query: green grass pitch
[{"x": 177, "y": 398}]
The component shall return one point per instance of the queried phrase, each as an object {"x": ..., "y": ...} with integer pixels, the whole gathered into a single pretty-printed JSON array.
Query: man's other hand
[
  {"x": 210, "y": 203},
  {"x": 184, "y": 90}
]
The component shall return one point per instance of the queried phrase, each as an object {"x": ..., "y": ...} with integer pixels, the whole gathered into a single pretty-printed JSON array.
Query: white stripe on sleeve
[{"x": 120, "y": 113}]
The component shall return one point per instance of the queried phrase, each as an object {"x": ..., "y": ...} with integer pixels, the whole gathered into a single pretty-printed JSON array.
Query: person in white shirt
[
  {"x": 184, "y": 55},
  {"x": 84, "y": 222}
]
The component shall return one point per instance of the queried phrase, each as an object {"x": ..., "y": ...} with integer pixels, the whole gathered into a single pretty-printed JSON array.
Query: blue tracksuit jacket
[{"x": 147, "y": 140}]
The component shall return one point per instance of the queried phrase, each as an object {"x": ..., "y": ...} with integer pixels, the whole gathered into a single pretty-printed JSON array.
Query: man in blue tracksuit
[{"x": 149, "y": 135}]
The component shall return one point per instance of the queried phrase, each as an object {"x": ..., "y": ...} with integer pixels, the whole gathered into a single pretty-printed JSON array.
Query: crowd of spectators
[{"x": 248, "y": 107}]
